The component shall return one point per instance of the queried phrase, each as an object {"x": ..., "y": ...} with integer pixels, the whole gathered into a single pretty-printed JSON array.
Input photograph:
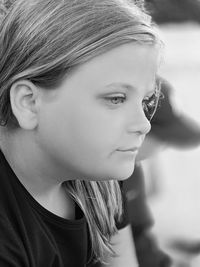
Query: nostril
[
  {"x": 139, "y": 124},
  {"x": 146, "y": 127}
]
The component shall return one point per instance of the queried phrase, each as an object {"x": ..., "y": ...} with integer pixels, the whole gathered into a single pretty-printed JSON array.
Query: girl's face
[{"x": 92, "y": 126}]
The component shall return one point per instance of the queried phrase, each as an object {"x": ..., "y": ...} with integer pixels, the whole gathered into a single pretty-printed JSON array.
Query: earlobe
[{"x": 24, "y": 104}]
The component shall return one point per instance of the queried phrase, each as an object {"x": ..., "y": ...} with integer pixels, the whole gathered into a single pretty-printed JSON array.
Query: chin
[{"x": 123, "y": 173}]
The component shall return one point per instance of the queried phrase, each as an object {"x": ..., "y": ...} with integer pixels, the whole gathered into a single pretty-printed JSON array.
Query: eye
[
  {"x": 150, "y": 104},
  {"x": 116, "y": 99}
]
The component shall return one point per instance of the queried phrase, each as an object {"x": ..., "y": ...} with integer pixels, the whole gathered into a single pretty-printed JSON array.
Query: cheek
[
  {"x": 91, "y": 131},
  {"x": 97, "y": 129},
  {"x": 94, "y": 150},
  {"x": 83, "y": 140}
]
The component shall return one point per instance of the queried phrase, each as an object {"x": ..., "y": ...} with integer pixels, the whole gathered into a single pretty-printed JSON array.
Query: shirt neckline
[{"x": 36, "y": 205}]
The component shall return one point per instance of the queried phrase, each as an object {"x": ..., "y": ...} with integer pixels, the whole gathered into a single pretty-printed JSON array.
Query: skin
[{"x": 84, "y": 128}]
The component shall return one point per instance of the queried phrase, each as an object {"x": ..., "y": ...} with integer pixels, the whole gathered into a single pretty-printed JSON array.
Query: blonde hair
[{"x": 42, "y": 41}]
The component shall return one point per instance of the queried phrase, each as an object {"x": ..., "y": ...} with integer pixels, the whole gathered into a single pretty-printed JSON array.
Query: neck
[
  {"x": 39, "y": 179},
  {"x": 58, "y": 201}
]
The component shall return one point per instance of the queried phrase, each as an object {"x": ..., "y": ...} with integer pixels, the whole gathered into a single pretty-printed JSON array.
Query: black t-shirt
[{"x": 32, "y": 236}]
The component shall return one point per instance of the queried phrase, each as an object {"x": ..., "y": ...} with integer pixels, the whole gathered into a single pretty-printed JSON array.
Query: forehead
[{"x": 131, "y": 64}]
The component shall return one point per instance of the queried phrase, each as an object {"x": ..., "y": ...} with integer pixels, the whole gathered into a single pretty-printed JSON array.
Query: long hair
[{"x": 42, "y": 41}]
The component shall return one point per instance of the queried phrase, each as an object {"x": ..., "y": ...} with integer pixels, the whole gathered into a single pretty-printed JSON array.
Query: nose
[{"x": 139, "y": 123}]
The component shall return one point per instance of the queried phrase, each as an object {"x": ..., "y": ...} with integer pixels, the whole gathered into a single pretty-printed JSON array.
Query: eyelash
[
  {"x": 150, "y": 104},
  {"x": 116, "y": 100}
]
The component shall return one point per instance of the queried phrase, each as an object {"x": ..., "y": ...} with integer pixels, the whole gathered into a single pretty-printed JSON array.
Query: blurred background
[{"x": 173, "y": 176}]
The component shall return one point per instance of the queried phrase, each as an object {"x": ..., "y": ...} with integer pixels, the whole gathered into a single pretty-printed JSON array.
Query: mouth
[{"x": 132, "y": 149}]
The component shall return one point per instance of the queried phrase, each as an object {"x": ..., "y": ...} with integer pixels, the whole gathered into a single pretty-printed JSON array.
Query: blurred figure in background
[
  {"x": 177, "y": 11},
  {"x": 169, "y": 129}
]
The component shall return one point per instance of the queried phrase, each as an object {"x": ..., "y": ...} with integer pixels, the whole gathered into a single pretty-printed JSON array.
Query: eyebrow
[
  {"x": 130, "y": 87},
  {"x": 124, "y": 85}
]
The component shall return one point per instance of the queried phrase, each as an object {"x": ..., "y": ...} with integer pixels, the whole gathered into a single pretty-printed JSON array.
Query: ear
[{"x": 24, "y": 98}]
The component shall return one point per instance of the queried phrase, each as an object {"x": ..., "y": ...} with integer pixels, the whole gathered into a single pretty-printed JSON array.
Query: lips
[{"x": 132, "y": 149}]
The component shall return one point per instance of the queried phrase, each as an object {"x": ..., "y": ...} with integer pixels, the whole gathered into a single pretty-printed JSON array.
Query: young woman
[{"x": 77, "y": 91}]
